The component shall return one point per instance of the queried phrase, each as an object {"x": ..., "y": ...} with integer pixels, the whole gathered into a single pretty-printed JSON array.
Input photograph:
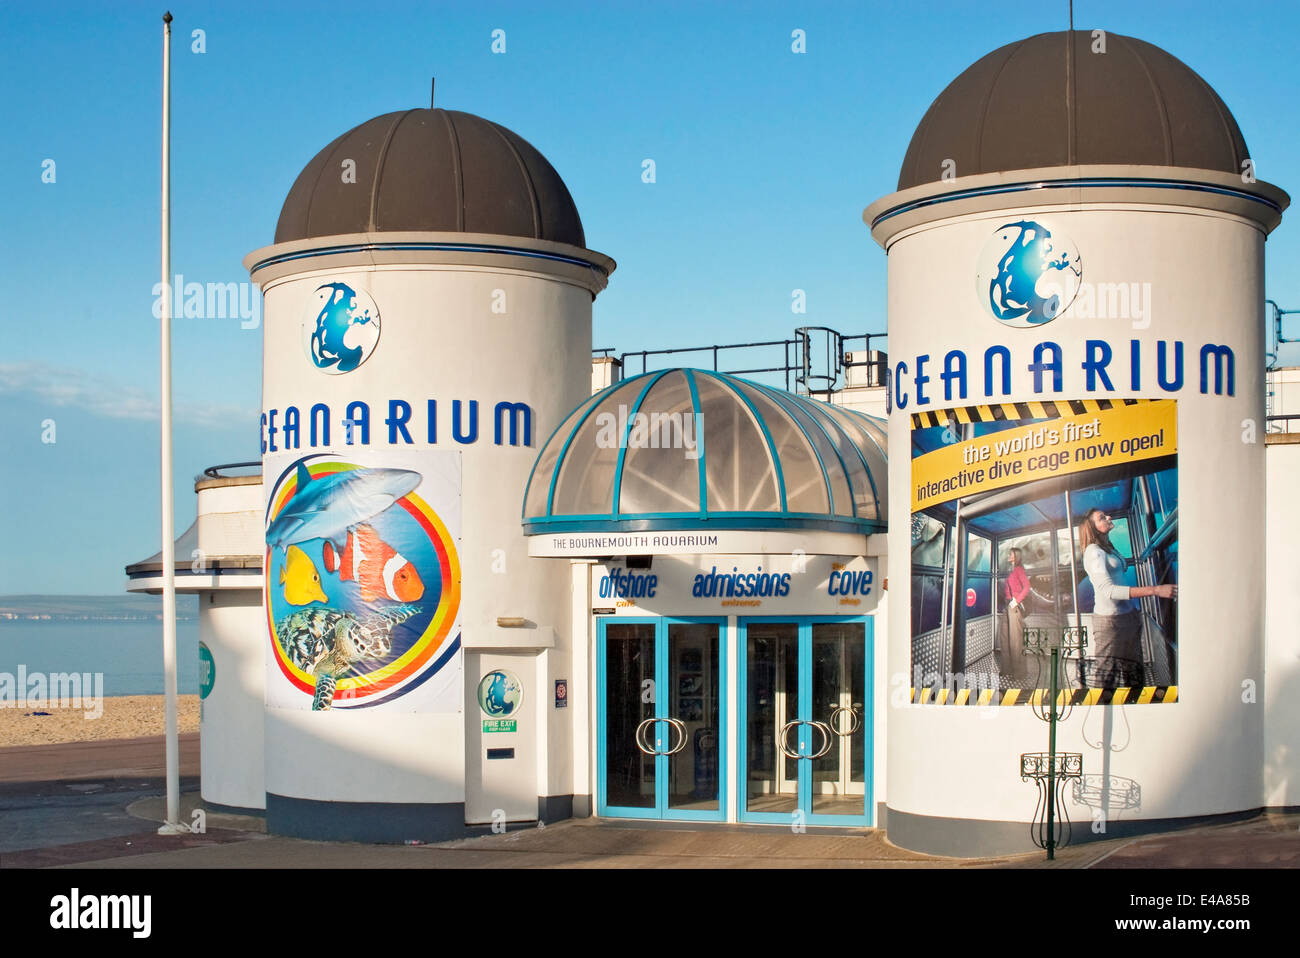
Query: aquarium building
[{"x": 485, "y": 579}]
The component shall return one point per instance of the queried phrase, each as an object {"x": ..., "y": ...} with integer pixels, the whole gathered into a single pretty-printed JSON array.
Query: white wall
[
  {"x": 230, "y": 727},
  {"x": 1203, "y": 754},
  {"x": 1281, "y": 692}
]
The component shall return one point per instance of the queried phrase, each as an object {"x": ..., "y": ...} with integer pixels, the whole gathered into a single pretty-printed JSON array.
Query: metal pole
[
  {"x": 1051, "y": 760},
  {"x": 172, "y": 825}
]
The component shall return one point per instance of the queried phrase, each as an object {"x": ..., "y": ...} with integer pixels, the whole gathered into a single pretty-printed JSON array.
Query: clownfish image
[
  {"x": 375, "y": 566},
  {"x": 300, "y": 579}
]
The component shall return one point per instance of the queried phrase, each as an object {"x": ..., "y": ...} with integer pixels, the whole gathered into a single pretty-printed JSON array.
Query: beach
[{"x": 124, "y": 716}]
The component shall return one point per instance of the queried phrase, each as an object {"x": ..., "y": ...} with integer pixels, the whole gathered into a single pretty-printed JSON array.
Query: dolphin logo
[{"x": 326, "y": 507}]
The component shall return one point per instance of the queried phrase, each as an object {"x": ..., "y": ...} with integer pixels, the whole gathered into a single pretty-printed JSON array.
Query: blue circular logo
[
  {"x": 500, "y": 693},
  {"x": 1028, "y": 274},
  {"x": 341, "y": 328}
]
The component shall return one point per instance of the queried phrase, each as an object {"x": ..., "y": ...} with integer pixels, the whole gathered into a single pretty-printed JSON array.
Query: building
[{"x": 506, "y": 585}]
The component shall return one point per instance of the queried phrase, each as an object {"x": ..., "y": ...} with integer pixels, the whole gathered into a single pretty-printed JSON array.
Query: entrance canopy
[{"x": 690, "y": 450}]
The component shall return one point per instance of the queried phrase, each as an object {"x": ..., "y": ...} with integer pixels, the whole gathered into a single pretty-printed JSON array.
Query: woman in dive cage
[{"x": 1115, "y": 640}]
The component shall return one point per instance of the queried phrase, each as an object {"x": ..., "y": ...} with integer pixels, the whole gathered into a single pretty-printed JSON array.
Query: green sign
[
  {"x": 500, "y": 725},
  {"x": 207, "y": 671}
]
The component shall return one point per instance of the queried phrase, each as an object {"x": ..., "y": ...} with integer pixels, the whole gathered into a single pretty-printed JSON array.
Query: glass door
[
  {"x": 661, "y": 722},
  {"x": 806, "y": 721}
]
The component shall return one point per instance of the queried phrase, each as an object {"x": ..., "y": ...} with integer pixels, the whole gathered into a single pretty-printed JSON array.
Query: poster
[
  {"x": 362, "y": 583},
  {"x": 1071, "y": 510}
]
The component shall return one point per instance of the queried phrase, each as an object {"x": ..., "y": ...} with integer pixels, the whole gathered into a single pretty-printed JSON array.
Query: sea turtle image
[{"x": 326, "y": 642}]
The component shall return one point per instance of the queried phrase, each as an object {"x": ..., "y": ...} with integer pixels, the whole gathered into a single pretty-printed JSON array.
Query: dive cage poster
[
  {"x": 362, "y": 580},
  {"x": 1082, "y": 497}
]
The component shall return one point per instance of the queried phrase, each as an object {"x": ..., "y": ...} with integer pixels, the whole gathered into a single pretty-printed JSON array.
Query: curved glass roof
[{"x": 684, "y": 448}]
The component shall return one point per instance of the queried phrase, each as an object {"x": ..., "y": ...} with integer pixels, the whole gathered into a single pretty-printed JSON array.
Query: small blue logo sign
[
  {"x": 500, "y": 693},
  {"x": 1027, "y": 274},
  {"x": 341, "y": 328}
]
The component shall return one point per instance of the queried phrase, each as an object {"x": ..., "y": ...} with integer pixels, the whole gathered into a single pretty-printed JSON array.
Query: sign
[
  {"x": 1031, "y": 525},
  {"x": 500, "y": 725},
  {"x": 740, "y": 585},
  {"x": 691, "y": 542},
  {"x": 561, "y": 693},
  {"x": 1043, "y": 449},
  {"x": 363, "y": 584},
  {"x": 500, "y": 694},
  {"x": 207, "y": 671}
]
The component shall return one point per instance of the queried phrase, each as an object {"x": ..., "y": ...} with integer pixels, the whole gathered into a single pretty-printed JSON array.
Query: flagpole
[{"x": 172, "y": 826}]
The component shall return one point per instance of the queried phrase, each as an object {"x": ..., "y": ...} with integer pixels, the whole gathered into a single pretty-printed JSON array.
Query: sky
[{"x": 764, "y": 162}]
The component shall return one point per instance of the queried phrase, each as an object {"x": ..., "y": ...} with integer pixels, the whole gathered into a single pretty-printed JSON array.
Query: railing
[
  {"x": 812, "y": 362},
  {"x": 215, "y": 472},
  {"x": 1282, "y": 423}
]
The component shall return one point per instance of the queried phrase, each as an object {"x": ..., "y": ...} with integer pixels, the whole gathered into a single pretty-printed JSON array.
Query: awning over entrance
[{"x": 691, "y": 451}]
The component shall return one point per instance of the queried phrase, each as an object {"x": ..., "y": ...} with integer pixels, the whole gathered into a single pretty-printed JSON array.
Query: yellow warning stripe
[
  {"x": 1147, "y": 695},
  {"x": 1014, "y": 411}
]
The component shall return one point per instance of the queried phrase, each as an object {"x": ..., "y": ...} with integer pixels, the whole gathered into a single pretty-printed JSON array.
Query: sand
[{"x": 126, "y": 716}]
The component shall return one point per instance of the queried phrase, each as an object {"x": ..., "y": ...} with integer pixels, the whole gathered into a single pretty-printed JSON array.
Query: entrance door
[
  {"x": 806, "y": 721},
  {"x": 661, "y": 718}
]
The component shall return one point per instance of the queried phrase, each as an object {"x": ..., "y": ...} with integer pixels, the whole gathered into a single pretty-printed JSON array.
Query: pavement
[{"x": 104, "y": 808}]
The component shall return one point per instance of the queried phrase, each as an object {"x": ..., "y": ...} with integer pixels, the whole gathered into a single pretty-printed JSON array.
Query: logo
[
  {"x": 341, "y": 328},
  {"x": 1027, "y": 274},
  {"x": 500, "y": 693},
  {"x": 207, "y": 671}
]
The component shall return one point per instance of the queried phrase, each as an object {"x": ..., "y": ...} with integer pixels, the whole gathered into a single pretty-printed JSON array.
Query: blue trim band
[
  {"x": 1088, "y": 183},
  {"x": 418, "y": 247},
  {"x": 717, "y": 522}
]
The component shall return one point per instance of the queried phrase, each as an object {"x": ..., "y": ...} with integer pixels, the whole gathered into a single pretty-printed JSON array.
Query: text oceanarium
[
  {"x": 402, "y": 422},
  {"x": 1104, "y": 371}
]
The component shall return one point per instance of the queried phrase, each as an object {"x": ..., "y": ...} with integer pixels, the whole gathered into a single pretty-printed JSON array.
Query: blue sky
[{"x": 765, "y": 160}]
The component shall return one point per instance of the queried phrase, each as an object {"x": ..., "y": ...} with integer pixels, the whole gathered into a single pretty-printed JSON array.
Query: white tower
[
  {"x": 427, "y": 324},
  {"x": 1077, "y": 226}
]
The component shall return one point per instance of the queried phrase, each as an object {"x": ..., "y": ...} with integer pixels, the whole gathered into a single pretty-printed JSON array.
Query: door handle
[
  {"x": 645, "y": 723},
  {"x": 680, "y": 726},
  {"x": 826, "y": 734},
  {"x": 855, "y": 722},
  {"x": 781, "y": 737}
]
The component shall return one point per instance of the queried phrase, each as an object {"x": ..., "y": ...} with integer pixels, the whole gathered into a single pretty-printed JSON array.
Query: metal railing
[
  {"x": 812, "y": 362},
  {"x": 215, "y": 472},
  {"x": 1283, "y": 423}
]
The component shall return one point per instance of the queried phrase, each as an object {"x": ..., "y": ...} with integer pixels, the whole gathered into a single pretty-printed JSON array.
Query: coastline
[{"x": 123, "y": 717}]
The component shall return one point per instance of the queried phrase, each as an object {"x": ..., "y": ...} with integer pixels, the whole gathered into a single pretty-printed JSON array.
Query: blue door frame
[
  {"x": 660, "y": 810},
  {"x": 807, "y": 741}
]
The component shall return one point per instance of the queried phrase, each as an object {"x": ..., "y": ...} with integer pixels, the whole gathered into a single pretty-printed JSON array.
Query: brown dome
[
  {"x": 1048, "y": 100},
  {"x": 431, "y": 170}
]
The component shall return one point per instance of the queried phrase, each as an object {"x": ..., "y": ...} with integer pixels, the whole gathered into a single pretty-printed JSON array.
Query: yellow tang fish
[{"x": 300, "y": 579}]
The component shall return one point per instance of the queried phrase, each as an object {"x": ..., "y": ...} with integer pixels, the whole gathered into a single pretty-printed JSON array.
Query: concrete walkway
[{"x": 108, "y": 801}]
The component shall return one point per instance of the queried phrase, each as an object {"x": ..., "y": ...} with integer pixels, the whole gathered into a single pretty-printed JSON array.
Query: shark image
[{"x": 326, "y": 507}]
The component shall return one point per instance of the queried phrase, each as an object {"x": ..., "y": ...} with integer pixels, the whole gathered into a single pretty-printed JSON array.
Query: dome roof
[
  {"x": 680, "y": 448},
  {"x": 1048, "y": 100},
  {"x": 431, "y": 170}
]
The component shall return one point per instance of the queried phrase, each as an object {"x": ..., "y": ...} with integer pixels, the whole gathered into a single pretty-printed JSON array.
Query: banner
[
  {"x": 1055, "y": 528},
  {"x": 362, "y": 584}
]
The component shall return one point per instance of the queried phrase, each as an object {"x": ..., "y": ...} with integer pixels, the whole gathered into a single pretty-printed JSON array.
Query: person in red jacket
[{"x": 1016, "y": 594}]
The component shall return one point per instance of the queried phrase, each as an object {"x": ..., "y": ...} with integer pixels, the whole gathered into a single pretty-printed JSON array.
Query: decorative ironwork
[{"x": 1050, "y": 770}]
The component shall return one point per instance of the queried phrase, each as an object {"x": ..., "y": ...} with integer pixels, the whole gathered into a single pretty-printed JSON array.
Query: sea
[{"x": 128, "y": 653}]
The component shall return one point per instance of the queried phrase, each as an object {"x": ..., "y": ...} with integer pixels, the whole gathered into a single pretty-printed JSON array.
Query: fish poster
[
  {"x": 362, "y": 581},
  {"x": 1038, "y": 524}
]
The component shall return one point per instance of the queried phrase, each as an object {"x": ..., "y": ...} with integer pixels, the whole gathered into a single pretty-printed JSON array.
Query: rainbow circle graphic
[{"x": 422, "y": 643}]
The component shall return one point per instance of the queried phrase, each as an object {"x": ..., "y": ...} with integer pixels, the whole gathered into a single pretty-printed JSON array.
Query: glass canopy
[{"x": 683, "y": 448}]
